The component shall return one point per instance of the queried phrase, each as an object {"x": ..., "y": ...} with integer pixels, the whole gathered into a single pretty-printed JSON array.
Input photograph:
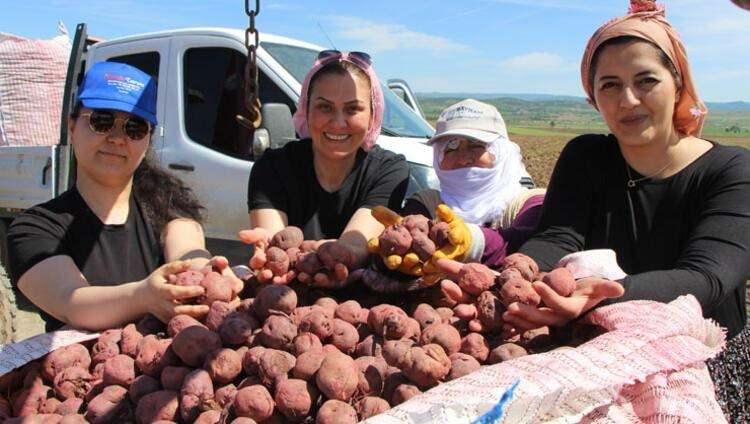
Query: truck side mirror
[
  {"x": 261, "y": 142},
  {"x": 277, "y": 120}
]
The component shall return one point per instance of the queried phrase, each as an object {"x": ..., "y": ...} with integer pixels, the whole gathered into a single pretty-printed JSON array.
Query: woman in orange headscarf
[{"x": 673, "y": 206}]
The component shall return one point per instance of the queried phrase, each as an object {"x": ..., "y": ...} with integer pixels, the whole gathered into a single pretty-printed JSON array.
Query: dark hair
[
  {"x": 162, "y": 196},
  {"x": 337, "y": 67},
  {"x": 625, "y": 39}
]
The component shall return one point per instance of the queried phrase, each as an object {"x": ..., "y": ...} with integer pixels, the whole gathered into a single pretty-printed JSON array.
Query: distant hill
[
  {"x": 740, "y": 106},
  {"x": 557, "y": 113}
]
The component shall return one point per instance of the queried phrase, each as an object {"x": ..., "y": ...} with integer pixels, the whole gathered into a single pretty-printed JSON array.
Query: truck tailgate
[{"x": 27, "y": 175}]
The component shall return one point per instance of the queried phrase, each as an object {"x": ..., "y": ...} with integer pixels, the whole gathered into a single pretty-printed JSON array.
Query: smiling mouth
[
  {"x": 633, "y": 120},
  {"x": 111, "y": 154},
  {"x": 337, "y": 137}
]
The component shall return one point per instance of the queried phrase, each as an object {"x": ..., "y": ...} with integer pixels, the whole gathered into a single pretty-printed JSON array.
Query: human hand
[
  {"x": 163, "y": 299},
  {"x": 271, "y": 264},
  {"x": 458, "y": 235},
  {"x": 559, "y": 310},
  {"x": 330, "y": 265}
]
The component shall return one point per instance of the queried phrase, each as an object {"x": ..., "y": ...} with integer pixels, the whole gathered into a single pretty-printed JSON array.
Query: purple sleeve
[{"x": 502, "y": 242}]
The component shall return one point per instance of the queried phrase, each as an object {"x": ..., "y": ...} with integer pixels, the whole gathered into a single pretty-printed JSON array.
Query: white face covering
[{"x": 481, "y": 195}]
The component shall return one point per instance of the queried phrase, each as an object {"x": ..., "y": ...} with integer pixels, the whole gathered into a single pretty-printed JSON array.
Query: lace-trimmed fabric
[
  {"x": 648, "y": 367},
  {"x": 730, "y": 372}
]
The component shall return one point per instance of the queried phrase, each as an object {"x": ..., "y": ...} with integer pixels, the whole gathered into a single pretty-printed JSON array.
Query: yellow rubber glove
[{"x": 459, "y": 236}]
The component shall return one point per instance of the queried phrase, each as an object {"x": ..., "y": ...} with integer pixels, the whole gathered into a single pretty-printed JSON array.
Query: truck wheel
[{"x": 18, "y": 320}]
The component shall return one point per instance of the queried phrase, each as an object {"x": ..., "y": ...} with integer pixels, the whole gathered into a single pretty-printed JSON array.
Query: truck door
[{"x": 205, "y": 145}]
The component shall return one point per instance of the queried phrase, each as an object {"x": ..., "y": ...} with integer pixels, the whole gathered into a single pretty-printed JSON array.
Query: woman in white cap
[
  {"x": 486, "y": 195},
  {"x": 482, "y": 179},
  {"x": 99, "y": 255}
]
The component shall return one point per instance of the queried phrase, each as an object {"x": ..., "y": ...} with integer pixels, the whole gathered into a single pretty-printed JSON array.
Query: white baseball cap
[{"x": 471, "y": 119}]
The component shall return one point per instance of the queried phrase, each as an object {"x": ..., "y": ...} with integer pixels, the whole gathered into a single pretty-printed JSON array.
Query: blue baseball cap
[{"x": 117, "y": 86}]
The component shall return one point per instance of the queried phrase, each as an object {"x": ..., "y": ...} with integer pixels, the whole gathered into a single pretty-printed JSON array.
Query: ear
[{"x": 677, "y": 95}]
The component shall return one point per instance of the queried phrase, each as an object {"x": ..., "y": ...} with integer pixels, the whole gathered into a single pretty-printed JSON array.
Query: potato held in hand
[{"x": 217, "y": 286}]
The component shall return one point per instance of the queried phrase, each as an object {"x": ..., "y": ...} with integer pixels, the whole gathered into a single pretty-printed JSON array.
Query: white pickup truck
[{"x": 200, "y": 74}]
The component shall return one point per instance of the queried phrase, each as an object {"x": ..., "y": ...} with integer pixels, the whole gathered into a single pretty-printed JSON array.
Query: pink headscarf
[
  {"x": 647, "y": 21},
  {"x": 377, "y": 101}
]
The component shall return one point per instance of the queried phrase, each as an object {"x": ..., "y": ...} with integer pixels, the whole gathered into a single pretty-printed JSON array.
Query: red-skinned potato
[
  {"x": 404, "y": 392},
  {"x": 49, "y": 406},
  {"x": 524, "y": 264},
  {"x": 238, "y": 329},
  {"x": 369, "y": 406},
  {"x": 474, "y": 278},
  {"x": 251, "y": 360},
  {"x": 475, "y": 345},
  {"x": 208, "y": 417},
  {"x": 278, "y": 332},
  {"x": 387, "y": 317},
  {"x": 277, "y": 260},
  {"x": 344, "y": 336},
  {"x": 254, "y": 402},
  {"x": 307, "y": 364},
  {"x": 337, "y": 377},
  {"x": 153, "y": 355},
  {"x": 159, "y": 405},
  {"x": 461, "y": 365},
  {"x": 371, "y": 345},
  {"x": 216, "y": 314},
  {"x": 426, "y": 315},
  {"x": 287, "y": 238},
  {"x": 129, "y": 340},
  {"x": 141, "y": 386},
  {"x": 507, "y": 275},
  {"x": 223, "y": 365},
  {"x": 217, "y": 287},
  {"x": 274, "y": 366},
  {"x": 490, "y": 311},
  {"x": 196, "y": 394},
  {"x": 73, "y": 382},
  {"x": 394, "y": 240},
  {"x": 439, "y": 234},
  {"x": 119, "y": 370},
  {"x": 506, "y": 352},
  {"x": 110, "y": 406},
  {"x": 180, "y": 322},
  {"x": 425, "y": 365},
  {"x": 519, "y": 291},
  {"x": 336, "y": 412},
  {"x": 422, "y": 246},
  {"x": 70, "y": 406},
  {"x": 372, "y": 375},
  {"x": 349, "y": 311},
  {"x": 305, "y": 342},
  {"x": 561, "y": 281},
  {"x": 331, "y": 253},
  {"x": 64, "y": 357},
  {"x": 295, "y": 399},
  {"x": 224, "y": 395},
  {"x": 318, "y": 322},
  {"x": 30, "y": 400},
  {"x": 274, "y": 297},
  {"x": 444, "y": 335},
  {"x": 193, "y": 344}
]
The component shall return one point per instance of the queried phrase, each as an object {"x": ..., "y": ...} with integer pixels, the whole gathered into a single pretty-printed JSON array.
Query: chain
[{"x": 252, "y": 40}]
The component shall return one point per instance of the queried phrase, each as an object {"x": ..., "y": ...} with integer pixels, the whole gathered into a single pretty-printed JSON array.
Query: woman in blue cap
[{"x": 100, "y": 254}]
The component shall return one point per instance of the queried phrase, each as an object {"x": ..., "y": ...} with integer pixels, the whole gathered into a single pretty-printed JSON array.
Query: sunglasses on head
[
  {"x": 360, "y": 57},
  {"x": 103, "y": 121}
]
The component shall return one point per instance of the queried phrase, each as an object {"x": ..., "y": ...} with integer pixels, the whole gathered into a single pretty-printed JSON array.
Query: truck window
[
  {"x": 147, "y": 62},
  {"x": 213, "y": 95}
]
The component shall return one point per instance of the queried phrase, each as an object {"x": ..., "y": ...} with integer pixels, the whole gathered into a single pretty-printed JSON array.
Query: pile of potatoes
[{"x": 281, "y": 355}]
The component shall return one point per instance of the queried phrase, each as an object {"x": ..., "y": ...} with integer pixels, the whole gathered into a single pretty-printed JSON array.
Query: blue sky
[{"x": 490, "y": 46}]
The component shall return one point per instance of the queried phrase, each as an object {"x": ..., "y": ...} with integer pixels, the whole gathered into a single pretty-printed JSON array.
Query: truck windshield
[{"x": 398, "y": 119}]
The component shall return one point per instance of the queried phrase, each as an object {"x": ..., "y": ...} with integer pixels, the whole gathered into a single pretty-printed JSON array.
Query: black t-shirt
[
  {"x": 284, "y": 179},
  {"x": 686, "y": 234},
  {"x": 106, "y": 254}
]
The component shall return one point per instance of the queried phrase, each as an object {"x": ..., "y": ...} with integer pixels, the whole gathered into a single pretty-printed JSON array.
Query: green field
[{"x": 542, "y": 128}]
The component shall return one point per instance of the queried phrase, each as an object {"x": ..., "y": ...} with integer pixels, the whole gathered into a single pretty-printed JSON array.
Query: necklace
[{"x": 632, "y": 182}]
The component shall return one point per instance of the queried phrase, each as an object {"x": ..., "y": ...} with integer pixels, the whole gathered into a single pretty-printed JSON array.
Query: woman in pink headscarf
[
  {"x": 327, "y": 182},
  {"x": 673, "y": 206}
]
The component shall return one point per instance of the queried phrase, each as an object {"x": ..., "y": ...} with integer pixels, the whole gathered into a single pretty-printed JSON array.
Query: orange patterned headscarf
[{"x": 646, "y": 20}]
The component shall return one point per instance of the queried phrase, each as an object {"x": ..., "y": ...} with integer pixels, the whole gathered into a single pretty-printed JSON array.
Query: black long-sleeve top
[{"x": 686, "y": 234}]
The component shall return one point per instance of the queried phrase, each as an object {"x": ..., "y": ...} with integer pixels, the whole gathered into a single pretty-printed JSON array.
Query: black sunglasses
[
  {"x": 102, "y": 122},
  {"x": 361, "y": 57}
]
